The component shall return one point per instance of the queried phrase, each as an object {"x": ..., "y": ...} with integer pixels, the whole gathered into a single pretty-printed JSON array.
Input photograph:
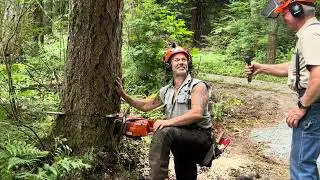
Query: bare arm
[
  {"x": 141, "y": 104},
  {"x": 313, "y": 90},
  {"x": 272, "y": 69},
  {"x": 199, "y": 101}
]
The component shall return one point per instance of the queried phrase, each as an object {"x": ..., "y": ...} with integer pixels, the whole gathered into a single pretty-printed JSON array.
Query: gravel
[{"x": 277, "y": 140}]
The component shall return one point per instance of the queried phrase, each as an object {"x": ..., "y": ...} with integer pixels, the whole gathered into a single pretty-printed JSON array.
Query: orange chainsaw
[{"x": 131, "y": 126}]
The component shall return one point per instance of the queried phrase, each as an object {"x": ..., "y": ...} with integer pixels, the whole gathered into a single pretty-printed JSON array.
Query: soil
[{"x": 256, "y": 109}]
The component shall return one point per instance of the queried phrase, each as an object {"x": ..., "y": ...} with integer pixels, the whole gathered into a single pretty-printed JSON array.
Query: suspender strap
[
  {"x": 297, "y": 71},
  {"x": 189, "y": 94}
]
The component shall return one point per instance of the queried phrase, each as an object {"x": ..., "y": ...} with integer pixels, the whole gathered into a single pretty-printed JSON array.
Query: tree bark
[
  {"x": 48, "y": 18},
  {"x": 94, "y": 60},
  {"x": 38, "y": 16},
  {"x": 272, "y": 40},
  {"x": 2, "y": 9},
  {"x": 197, "y": 21}
]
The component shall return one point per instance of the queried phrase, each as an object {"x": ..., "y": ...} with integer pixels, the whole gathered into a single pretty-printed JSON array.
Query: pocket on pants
[{"x": 311, "y": 123}]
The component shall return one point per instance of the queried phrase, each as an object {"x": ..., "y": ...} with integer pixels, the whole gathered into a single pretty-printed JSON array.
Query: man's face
[
  {"x": 289, "y": 19},
  {"x": 179, "y": 64}
]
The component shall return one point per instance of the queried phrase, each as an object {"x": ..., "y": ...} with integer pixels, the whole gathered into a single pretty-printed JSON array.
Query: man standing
[
  {"x": 303, "y": 77},
  {"x": 186, "y": 132}
]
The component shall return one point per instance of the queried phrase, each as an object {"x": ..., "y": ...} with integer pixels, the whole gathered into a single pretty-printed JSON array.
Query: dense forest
[{"x": 60, "y": 59}]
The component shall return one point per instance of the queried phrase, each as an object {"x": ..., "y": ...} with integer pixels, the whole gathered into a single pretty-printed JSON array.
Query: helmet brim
[
  {"x": 275, "y": 7},
  {"x": 271, "y": 9},
  {"x": 178, "y": 52}
]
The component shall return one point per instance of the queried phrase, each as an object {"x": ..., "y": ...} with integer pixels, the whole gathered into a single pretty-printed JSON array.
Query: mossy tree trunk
[{"x": 94, "y": 59}]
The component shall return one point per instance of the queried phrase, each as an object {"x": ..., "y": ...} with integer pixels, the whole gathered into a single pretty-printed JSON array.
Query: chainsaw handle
[{"x": 248, "y": 59}]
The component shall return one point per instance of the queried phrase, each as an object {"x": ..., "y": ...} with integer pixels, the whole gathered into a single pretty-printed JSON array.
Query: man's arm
[
  {"x": 313, "y": 90},
  {"x": 272, "y": 69},
  {"x": 199, "y": 101},
  {"x": 141, "y": 104}
]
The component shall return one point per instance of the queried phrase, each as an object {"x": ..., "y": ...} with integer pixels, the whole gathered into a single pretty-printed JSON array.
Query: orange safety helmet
[
  {"x": 175, "y": 50},
  {"x": 275, "y": 7}
]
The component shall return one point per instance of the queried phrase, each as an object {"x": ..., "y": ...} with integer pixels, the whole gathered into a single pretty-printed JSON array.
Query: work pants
[
  {"x": 305, "y": 147},
  {"x": 188, "y": 146}
]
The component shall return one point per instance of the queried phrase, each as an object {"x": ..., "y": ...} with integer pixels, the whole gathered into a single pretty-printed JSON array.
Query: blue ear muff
[{"x": 296, "y": 9}]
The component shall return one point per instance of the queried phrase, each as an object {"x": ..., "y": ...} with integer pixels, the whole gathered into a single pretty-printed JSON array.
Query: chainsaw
[{"x": 131, "y": 126}]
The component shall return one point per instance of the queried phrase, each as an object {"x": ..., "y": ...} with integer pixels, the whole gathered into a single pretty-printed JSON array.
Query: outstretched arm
[
  {"x": 141, "y": 104},
  {"x": 199, "y": 102},
  {"x": 272, "y": 69}
]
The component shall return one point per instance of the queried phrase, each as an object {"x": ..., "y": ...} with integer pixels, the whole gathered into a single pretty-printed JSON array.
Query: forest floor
[{"x": 256, "y": 126}]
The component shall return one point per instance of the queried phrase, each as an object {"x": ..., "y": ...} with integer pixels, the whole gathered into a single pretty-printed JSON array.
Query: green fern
[
  {"x": 41, "y": 175},
  {"x": 68, "y": 164},
  {"x": 23, "y": 150},
  {"x": 15, "y": 155},
  {"x": 20, "y": 160},
  {"x": 58, "y": 170}
]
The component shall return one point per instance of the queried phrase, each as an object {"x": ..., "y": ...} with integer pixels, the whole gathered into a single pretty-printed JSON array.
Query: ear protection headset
[{"x": 296, "y": 10}]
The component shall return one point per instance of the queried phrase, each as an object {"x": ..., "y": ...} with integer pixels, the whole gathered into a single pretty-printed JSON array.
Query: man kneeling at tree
[{"x": 186, "y": 132}]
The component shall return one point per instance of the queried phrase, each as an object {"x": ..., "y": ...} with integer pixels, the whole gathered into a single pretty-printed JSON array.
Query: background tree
[
  {"x": 197, "y": 20},
  {"x": 38, "y": 15},
  {"x": 272, "y": 40},
  {"x": 91, "y": 70},
  {"x": 1, "y": 18},
  {"x": 199, "y": 15}
]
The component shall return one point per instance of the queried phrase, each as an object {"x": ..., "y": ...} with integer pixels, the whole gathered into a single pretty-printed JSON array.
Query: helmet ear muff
[
  {"x": 190, "y": 66},
  {"x": 168, "y": 66},
  {"x": 296, "y": 10}
]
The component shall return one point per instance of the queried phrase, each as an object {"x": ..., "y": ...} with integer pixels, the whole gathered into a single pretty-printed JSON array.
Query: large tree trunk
[
  {"x": 197, "y": 21},
  {"x": 2, "y": 9},
  {"x": 93, "y": 64},
  {"x": 272, "y": 40}
]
